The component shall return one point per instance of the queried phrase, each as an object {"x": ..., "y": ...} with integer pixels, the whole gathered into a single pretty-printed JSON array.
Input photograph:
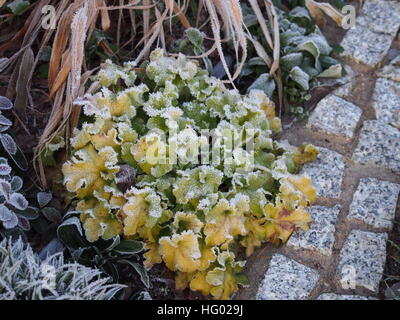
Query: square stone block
[
  {"x": 334, "y": 296},
  {"x": 336, "y": 116},
  {"x": 374, "y": 203},
  {"x": 326, "y": 173},
  {"x": 362, "y": 260},
  {"x": 286, "y": 279},
  {"x": 363, "y": 45},
  {"x": 379, "y": 145},
  {"x": 386, "y": 101},
  {"x": 382, "y": 16},
  {"x": 321, "y": 235}
]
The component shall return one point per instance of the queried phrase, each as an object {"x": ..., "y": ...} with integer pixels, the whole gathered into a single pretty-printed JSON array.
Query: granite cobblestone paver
[
  {"x": 321, "y": 235},
  {"x": 382, "y": 16},
  {"x": 374, "y": 203},
  {"x": 287, "y": 279},
  {"x": 386, "y": 101},
  {"x": 326, "y": 173},
  {"x": 374, "y": 31},
  {"x": 336, "y": 116},
  {"x": 363, "y": 45},
  {"x": 362, "y": 260},
  {"x": 378, "y": 145},
  {"x": 334, "y": 296}
]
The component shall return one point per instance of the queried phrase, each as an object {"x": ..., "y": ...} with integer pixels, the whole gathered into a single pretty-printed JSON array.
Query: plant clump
[
  {"x": 24, "y": 276},
  {"x": 194, "y": 216},
  {"x": 306, "y": 58}
]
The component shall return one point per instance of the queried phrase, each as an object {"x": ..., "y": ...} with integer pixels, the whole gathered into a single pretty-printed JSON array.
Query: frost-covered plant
[
  {"x": 23, "y": 276},
  {"x": 193, "y": 216},
  {"x": 305, "y": 57},
  {"x": 106, "y": 255},
  {"x": 15, "y": 211},
  {"x": 8, "y": 144}
]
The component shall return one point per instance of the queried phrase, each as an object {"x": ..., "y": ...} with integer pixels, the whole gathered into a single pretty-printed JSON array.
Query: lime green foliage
[{"x": 192, "y": 216}]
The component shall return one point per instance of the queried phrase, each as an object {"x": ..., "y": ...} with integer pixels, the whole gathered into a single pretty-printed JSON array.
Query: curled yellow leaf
[{"x": 181, "y": 252}]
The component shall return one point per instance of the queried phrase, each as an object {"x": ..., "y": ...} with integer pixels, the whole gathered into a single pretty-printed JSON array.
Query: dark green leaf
[
  {"x": 265, "y": 83},
  {"x": 129, "y": 247},
  {"x": 291, "y": 60},
  {"x": 52, "y": 214},
  {"x": 300, "y": 77},
  {"x": 144, "y": 277},
  {"x": 71, "y": 234},
  {"x": 29, "y": 213}
]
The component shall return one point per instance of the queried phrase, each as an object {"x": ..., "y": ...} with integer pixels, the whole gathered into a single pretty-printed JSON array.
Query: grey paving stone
[
  {"x": 382, "y": 16},
  {"x": 362, "y": 260},
  {"x": 326, "y": 173},
  {"x": 363, "y": 45},
  {"x": 334, "y": 115},
  {"x": 378, "y": 145},
  {"x": 287, "y": 279},
  {"x": 335, "y": 296},
  {"x": 374, "y": 203},
  {"x": 392, "y": 70},
  {"x": 321, "y": 235},
  {"x": 386, "y": 101}
]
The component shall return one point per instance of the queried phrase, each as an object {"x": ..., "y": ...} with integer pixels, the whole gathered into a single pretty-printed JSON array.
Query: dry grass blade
[
  {"x": 215, "y": 26},
  {"x": 261, "y": 51},
  {"x": 237, "y": 21},
  {"x": 318, "y": 8},
  {"x": 261, "y": 21},
  {"x": 155, "y": 32},
  {"x": 231, "y": 15},
  {"x": 162, "y": 33},
  {"x": 275, "y": 27},
  {"x": 23, "y": 82},
  {"x": 59, "y": 45},
  {"x": 179, "y": 13},
  {"x": 146, "y": 19},
  {"x": 105, "y": 17},
  {"x": 62, "y": 74},
  {"x": 78, "y": 31}
]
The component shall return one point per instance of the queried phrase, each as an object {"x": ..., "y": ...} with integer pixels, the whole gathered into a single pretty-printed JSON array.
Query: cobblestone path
[{"x": 357, "y": 177}]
